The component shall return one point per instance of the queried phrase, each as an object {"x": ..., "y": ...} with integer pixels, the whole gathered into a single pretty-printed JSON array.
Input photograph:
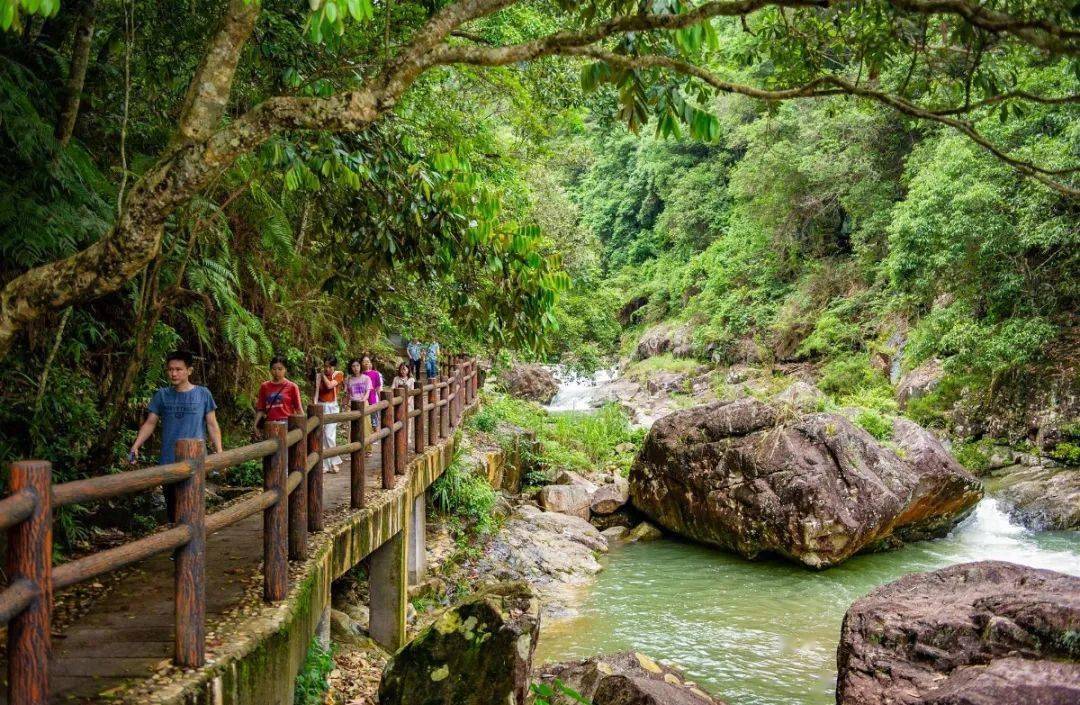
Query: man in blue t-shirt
[{"x": 185, "y": 410}]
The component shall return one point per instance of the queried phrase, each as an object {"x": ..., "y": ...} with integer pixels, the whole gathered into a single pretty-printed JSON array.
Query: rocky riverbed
[{"x": 867, "y": 495}]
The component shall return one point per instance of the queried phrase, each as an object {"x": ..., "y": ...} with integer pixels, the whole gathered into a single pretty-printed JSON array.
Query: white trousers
[{"x": 330, "y": 434}]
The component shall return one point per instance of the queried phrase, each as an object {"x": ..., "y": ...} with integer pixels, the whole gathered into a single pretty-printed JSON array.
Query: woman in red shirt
[{"x": 279, "y": 398}]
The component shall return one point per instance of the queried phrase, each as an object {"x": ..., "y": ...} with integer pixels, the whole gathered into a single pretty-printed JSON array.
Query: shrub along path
[{"x": 128, "y": 632}]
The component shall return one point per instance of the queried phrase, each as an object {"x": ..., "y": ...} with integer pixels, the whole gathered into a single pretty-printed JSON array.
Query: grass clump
[
  {"x": 581, "y": 441},
  {"x": 874, "y": 423},
  {"x": 464, "y": 494},
  {"x": 312, "y": 681},
  {"x": 641, "y": 370}
]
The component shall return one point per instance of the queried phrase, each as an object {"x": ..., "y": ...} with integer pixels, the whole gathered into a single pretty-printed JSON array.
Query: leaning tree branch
[
  {"x": 1038, "y": 32},
  {"x": 210, "y": 88},
  {"x": 820, "y": 87},
  {"x": 202, "y": 150},
  {"x": 580, "y": 44}
]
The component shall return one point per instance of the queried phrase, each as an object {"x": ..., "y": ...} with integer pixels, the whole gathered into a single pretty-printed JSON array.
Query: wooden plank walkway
[{"x": 128, "y": 632}]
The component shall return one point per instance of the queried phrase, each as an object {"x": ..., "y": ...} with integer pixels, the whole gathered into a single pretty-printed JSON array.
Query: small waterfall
[{"x": 579, "y": 392}]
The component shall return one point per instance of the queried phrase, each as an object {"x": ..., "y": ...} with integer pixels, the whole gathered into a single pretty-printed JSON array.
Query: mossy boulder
[{"x": 478, "y": 652}]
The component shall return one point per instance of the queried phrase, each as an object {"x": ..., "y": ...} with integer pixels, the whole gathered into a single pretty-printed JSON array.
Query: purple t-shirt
[
  {"x": 376, "y": 385},
  {"x": 359, "y": 387}
]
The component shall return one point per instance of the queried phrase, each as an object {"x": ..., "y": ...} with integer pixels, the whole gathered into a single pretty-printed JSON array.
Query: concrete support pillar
[
  {"x": 322, "y": 631},
  {"x": 418, "y": 539},
  {"x": 389, "y": 591}
]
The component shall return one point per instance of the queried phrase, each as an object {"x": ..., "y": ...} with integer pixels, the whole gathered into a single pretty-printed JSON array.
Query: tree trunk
[{"x": 80, "y": 59}]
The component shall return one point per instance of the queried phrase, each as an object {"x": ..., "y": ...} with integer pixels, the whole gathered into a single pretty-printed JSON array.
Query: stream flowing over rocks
[
  {"x": 988, "y": 633},
  {"x": 814, "y": 488}
]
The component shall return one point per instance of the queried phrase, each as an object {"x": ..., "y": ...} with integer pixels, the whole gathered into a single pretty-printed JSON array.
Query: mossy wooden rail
[{"x": 291, "y": 502}]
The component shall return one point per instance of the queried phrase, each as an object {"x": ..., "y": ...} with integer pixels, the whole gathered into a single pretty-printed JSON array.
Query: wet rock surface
[
  {"x": 816, "y": 489},
  {"x": 478, "y": 652},
  {"x": 977, "y": 633},
  {"x": 530, "y": 381},
  {"x": 1042, "y": 499},
  {"x": 628, "y": 678},
  {"x": 554, "y": 553}
]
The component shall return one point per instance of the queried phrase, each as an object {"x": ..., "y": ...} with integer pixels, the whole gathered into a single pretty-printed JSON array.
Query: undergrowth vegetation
[
  {"x": 600, "y": 440},
  {"x": 312, "y": 681},
  {"x": 464, "y": 495}
]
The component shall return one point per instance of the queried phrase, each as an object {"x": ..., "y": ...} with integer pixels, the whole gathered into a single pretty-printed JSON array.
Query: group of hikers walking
[{"x": 187, "y": 410}]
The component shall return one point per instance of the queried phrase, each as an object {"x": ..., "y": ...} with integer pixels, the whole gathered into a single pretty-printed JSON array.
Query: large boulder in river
[
  {"x": 987, "y": 633},
  {"x": 530, "y": 381},
  {"x": 627, "y": 678},
  {"x": 478, "y": 652},
  {"x": 816, "y": 489}
]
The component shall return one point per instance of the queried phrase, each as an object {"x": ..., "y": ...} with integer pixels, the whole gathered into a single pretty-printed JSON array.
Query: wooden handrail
[
  {"x": 15, "y": 508},
  {"x": 96, "y": 564},
  {"x": 122, "y": 483},
  {"x": 291, "y": 502},
  {"x": 15, "y": 598}
]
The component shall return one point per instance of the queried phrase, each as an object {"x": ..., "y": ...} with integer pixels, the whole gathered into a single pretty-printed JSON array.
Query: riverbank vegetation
[{"x": 584, "y": 442}]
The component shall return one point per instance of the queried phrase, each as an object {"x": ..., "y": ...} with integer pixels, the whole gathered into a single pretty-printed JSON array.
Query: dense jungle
[{"x": 771, "y": 305}]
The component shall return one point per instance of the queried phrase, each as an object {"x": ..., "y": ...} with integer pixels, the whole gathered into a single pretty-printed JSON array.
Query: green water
[{"x": 765, "y": 633}]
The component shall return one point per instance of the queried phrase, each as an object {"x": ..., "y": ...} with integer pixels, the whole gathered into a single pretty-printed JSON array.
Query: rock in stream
[
  {"x": 814, "y": 488},
  {"x": 987, "y": 633}
]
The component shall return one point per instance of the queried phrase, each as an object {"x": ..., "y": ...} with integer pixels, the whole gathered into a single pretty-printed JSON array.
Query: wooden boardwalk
[{"x": 128, "y": 632}]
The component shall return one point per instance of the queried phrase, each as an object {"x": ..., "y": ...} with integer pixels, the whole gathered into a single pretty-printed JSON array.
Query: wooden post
[
  {"x": 29, "y": 561},
  {"x": 401, "y": 436},
  {"x": 432, "y": 419},
  {"x": 419, "y": 427},
  {"x": 315, "y": 475},
  {"x": 298, "y": 501},
  {"x": 276, "y": 518},
  {"x": 357, "y": 474},
  {"x": 190, "y": 559},
  {"x": 387, "y": 447},
  {"x": 453, "y": 388},
  {"x": 444, "y": 410}
]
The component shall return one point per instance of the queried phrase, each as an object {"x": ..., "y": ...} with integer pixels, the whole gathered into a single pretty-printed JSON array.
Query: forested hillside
[{"x": 842, "y": 235}]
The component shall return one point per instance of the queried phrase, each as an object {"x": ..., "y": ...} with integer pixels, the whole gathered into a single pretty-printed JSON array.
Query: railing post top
[
  {"x": 189, "y": 448},
  {"x": 32, "y": 466},
  {"x": 29, "y": 474}
]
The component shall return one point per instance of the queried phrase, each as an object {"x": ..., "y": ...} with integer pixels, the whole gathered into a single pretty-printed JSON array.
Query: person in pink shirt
[{"x": 376, "y": 384}]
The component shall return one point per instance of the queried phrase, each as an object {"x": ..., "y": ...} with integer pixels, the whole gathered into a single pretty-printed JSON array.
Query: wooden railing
[{"x": 291, "y": 502}]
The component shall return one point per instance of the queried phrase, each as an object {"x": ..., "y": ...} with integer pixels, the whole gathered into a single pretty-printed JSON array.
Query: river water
[{"x": 765, "y": 632}]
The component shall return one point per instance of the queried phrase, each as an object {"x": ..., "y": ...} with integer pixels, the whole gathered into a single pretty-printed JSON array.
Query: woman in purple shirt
[{"x": 376, "y": 384}]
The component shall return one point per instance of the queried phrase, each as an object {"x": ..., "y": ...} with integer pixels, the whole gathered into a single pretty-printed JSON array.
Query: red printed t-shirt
[
  {"x": 329, "y": 395},
  {"x": 279, "y": 400}
]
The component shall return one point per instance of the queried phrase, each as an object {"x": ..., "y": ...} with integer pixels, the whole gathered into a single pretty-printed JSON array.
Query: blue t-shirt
[{"x": 182, "y": 414}]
